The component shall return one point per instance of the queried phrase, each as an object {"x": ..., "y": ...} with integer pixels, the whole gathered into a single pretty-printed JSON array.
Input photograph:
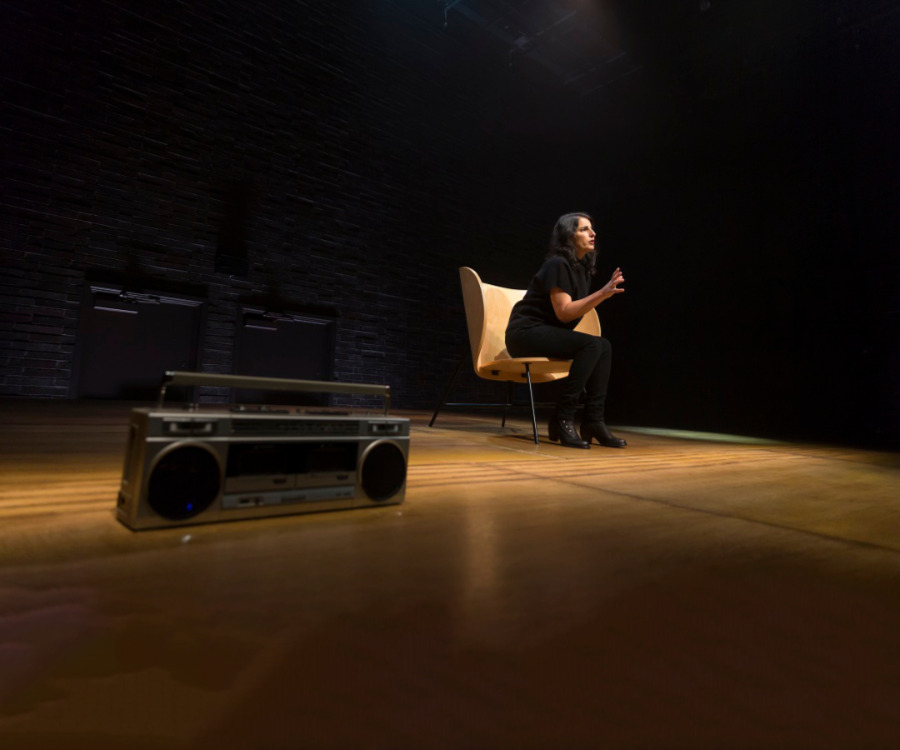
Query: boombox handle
[{"x": 270, "y": 384}]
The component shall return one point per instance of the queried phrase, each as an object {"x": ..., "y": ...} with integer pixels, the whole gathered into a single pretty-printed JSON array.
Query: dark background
[{"x": 740, "y": 159}]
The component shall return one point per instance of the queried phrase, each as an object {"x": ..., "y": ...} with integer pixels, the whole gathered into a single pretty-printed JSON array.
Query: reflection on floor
[{"x": 691, "y": 593}]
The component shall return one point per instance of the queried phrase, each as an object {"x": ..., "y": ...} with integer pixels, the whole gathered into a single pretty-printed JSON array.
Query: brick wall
[
  {"x": 345, "y": 154},
  {"x": 348, "y": 157}
]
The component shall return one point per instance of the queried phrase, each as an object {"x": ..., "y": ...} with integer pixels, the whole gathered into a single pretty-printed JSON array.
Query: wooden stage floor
[{"x": 680, "y": 593}]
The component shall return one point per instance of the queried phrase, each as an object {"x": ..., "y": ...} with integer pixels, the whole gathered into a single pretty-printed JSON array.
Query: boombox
[{"x": 186, "y": 466}]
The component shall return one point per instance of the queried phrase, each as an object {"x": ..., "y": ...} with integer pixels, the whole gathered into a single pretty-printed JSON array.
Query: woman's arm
[{"x": 567, "y": 309}]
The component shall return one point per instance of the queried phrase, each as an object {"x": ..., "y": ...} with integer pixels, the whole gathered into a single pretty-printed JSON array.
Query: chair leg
[
  {"x": 531, "y": 401},
  {"x": 447, "y": 390},
  {"x": 509, "y": 401}
]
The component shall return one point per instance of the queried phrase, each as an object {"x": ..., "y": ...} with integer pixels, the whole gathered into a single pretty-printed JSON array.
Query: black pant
[{"x": 591, "y": 358}]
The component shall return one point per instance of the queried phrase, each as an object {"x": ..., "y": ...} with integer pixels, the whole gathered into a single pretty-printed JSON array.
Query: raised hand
[{"x": 612, "y": 286}]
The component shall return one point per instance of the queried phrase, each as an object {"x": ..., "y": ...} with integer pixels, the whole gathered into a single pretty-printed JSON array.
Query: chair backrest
[{"x": 487, "y": 314}]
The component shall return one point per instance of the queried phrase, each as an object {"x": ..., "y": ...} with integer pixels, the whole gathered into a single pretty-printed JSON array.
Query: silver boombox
[{"x": 192, "y": 466}]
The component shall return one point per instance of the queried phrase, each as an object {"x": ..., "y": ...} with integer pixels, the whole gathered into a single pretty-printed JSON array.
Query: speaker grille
[
  {"x": 383, "y": 471},
  {"x": 184, "y": 482}
]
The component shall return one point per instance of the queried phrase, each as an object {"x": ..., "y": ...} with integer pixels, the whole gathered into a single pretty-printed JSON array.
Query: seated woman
[{"x": 542, "y": 323}]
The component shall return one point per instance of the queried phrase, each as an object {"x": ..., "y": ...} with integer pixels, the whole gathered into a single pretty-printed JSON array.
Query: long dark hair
[{"x": 561, "y": 240}]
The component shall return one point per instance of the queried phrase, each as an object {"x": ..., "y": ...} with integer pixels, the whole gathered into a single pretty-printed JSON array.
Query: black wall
[
  {"x": 346, "y": 158},
  {"x": 758, "y": 214}
]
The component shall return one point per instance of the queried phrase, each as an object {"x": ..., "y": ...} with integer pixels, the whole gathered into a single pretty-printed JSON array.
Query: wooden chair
[{"x": 487, "y": 314}]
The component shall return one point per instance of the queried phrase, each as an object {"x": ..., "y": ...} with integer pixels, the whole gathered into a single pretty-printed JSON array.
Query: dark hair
[{"x": 561, "y": 240}]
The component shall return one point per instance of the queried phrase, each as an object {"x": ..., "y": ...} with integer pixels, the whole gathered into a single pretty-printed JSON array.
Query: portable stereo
[{"x": 189, "y": 466}]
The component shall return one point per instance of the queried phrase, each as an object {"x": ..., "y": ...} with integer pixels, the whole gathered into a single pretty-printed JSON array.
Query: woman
[{"x": 542, "y": 323}]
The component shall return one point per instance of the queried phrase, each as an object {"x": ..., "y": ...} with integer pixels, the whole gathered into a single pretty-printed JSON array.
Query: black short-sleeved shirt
[{"x": 536, "y": 307}]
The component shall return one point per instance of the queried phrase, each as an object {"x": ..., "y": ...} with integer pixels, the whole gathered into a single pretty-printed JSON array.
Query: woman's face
[{"x": 583, "y": 239}]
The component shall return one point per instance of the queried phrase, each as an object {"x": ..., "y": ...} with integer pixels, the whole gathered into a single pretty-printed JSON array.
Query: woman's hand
[{"x": 612, "y": 286}]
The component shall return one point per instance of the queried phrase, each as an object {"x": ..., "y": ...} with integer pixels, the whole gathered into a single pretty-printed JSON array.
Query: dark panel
[
  {"x": 285, "y": 345},
  {"x": 126, "y": 340}
]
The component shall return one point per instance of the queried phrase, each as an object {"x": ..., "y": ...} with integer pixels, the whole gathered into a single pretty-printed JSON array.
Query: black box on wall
[{"x": 127, "y": 339}]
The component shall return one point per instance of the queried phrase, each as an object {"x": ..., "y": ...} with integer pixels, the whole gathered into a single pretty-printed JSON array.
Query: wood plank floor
[{"x": 680, "y": 593}]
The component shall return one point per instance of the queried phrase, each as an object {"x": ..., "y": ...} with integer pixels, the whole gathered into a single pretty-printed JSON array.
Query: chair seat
[{"x": 543, "y": 369}]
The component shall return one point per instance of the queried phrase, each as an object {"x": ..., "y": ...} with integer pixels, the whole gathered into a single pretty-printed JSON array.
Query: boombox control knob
[
  {"x": 383, "y": 471},
  {"x": 184, "y": 482}
]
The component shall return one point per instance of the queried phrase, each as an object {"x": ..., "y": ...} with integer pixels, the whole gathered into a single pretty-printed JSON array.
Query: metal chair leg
[
  {"x": 531, "y": 401},
  {"x": 509, "y": 401},
  {"x": 447, "y": 390}
]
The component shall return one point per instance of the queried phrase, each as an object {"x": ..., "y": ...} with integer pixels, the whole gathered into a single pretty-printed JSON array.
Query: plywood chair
[{"x": 487, "y": 314}]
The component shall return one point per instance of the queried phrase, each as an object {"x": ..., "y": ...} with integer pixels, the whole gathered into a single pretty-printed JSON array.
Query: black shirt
[{"x": 536, "y": 307}]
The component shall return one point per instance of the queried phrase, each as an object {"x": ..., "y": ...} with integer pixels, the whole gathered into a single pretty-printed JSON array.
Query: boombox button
[
  {"x": 189, "y": 427},
  {"x": 385, "y": 429}
]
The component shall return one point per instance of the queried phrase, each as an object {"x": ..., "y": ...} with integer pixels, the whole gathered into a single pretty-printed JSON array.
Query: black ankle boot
[
  {"x": 564, "y": 431},
  {"x": 600, "y": 432}
]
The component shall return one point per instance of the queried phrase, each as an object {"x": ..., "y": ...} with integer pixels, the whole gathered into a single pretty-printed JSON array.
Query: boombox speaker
[{"x": 187, "y": 466}]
